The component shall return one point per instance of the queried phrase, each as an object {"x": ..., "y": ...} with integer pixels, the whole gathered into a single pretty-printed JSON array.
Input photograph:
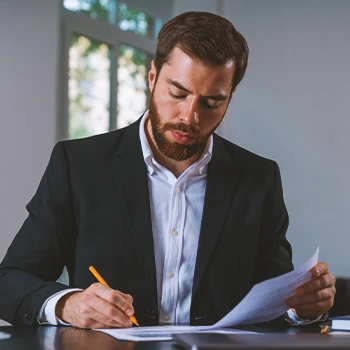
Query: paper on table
[
  {"x": 4, "y": 335},
  {"x": 265, "y": 301},
  {"x": 161, "y": 333}
]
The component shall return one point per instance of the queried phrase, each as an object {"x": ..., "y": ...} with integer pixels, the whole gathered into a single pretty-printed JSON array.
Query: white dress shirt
[{"x": 176, "y": 208}]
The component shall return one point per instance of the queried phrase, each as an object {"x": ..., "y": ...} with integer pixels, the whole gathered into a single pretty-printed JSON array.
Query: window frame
[{"x": 75, "y": 23}]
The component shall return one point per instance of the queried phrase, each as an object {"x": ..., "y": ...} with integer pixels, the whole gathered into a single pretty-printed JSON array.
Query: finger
[
  {"x": 313, "y": 297},
  {"x": 319, "y": 269},
  {"x": 107, "y": 322},
  {"x": 321, "y": 282},
  {"x": 92, "y": 303},
  {"x": 116, "y": 298},
  {"x": 97, "y": 320},
  {"x": 128, "y": 297},
  {"x": 318, "y": 308},
  {"x": 112, "y": 313}
]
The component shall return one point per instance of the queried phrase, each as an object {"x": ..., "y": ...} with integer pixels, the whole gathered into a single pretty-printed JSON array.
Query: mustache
[{"x": 190, "y": 130}]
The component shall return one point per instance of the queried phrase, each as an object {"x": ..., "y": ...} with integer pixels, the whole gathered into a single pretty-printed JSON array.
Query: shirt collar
[{"x": 199, "y": 167}]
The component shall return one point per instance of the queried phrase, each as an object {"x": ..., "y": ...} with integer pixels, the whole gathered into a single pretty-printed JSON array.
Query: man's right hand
[{"x": 98, "y": 306}]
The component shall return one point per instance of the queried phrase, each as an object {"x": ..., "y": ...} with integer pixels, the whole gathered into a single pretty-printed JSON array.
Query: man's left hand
[{"x": 316, "y": 297}]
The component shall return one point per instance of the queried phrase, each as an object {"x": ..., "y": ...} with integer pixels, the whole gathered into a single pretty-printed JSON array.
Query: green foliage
[
  {"x": 133, "y": 20},
  {"x": 96, "y": 9}
]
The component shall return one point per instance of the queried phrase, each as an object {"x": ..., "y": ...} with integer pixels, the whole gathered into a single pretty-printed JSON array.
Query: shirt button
[
  {"x": 167, "y": 318},
  {"x": 201, "y": 170},
  {"x": 151, "y": 314},
  {"x": 174, "y": 233},
  {"x": 28, "y": 316},
  {"x": 178, "y": 189},
  {"x": 170, "y": 274}
]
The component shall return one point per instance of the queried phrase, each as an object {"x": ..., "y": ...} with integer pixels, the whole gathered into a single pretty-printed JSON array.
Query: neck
[{"x": 175, "y": 166}]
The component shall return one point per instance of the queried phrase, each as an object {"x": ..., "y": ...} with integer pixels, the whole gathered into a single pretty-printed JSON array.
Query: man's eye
[
  {"x": 211, "y": 105},
  {"x": 177, "y": 96}
]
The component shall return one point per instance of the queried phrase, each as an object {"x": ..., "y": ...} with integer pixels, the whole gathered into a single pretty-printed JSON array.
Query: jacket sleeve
[
  {"x": 275, "y": 252},
  {"x": 43, "y": 246}
]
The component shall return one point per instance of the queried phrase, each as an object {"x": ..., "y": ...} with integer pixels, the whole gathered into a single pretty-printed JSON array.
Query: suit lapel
[
  {"x": 221, "y": 182},
  {"x": 130, "y": 172}
]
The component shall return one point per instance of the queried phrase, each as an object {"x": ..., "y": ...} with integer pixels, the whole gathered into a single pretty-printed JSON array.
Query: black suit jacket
[{"x": 92, "y": 208}]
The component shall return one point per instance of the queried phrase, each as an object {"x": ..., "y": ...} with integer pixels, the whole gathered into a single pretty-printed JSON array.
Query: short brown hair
[{"x": 205, "y": 36}]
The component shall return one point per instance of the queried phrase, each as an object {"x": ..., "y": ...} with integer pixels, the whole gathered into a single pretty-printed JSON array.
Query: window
[
  {"x": 103, "y": 10},
  {"x": 89, "y": 87},
  {"x": 132, "y": 84},
  {"x": 107, "y": 47}
]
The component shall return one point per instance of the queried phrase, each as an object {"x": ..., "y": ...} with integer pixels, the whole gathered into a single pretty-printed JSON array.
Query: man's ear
[{"x": 152, "y": 74}]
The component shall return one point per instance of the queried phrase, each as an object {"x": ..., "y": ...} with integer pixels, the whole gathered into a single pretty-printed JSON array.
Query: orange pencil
[
  {"x": 102, "y": 281},
  {"x": 324, "y": 329}
]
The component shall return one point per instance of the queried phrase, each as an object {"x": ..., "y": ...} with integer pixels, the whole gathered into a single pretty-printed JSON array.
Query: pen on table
[
  {"x": 102, "y": 281},
  {"x": 324, "y": 329}
]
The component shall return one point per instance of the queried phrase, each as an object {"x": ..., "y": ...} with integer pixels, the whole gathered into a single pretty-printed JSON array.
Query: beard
[{"x": 173, "y": 149}]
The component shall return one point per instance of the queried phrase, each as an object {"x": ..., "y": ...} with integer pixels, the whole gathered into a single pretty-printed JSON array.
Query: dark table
[{"x": 57, "y": 338}]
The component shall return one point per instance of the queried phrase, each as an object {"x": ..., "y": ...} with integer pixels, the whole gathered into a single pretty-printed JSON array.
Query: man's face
[{"x": 188, "y": 101}]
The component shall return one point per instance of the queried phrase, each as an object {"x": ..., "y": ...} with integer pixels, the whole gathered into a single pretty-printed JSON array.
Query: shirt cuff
[
  {"x": 295, "y": 320},
  {"x": 47, "y": 314}
]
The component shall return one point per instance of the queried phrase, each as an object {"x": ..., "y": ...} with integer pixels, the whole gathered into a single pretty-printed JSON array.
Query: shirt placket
[{"x": 174, "y": 233}]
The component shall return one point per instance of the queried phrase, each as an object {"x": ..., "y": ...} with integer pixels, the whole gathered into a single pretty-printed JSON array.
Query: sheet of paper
[
  {"x": 160, "y": 333},
  {"x": 265, "y": 301},
  {"x": 4, "y": 335}
]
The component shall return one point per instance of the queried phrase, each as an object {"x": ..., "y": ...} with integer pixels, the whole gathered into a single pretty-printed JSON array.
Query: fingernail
[
  {"x": 318, "y": 271},
  {"x": 129, "y": 324},
  {"x": 129, "y": 312}
]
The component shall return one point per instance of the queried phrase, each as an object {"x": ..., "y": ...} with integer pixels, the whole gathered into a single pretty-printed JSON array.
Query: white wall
[
  {"x": 293, "y": 106},
  {"x": 29, "y": 36}
]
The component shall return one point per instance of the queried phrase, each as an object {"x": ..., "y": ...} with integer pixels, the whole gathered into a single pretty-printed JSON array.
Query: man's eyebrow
[
  {"x": 218, "y": 97},
  {"x": 178, "y": 85}
]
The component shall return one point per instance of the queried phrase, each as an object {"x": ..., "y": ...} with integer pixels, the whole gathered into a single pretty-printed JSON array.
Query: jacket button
[
  {"x": 28, "y": 316},
  {"x": 151, "y": 314}
]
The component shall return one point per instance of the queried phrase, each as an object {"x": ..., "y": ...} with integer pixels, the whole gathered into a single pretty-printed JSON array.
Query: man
[{"x": 180, "y": 222}]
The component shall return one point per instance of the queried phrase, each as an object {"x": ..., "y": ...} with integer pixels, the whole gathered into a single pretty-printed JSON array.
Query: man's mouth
[{"x": 181, "y": 137}]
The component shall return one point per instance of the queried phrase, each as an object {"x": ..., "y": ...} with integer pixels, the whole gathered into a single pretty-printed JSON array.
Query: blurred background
[{"x": 74, "y": 68}]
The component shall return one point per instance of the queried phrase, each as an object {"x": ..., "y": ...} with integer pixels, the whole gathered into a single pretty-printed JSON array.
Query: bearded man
[{"x": 179, "y": 221}]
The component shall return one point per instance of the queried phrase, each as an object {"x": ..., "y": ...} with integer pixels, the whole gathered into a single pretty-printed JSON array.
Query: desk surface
[{"x": 62, "y": 338}]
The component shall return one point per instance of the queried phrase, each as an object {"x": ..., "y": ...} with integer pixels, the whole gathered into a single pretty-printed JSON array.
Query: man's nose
[{"x": 190, "y": 113}]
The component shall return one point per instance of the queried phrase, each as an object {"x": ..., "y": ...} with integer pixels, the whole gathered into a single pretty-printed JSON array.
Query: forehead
[{"x": 192, "y": 71}]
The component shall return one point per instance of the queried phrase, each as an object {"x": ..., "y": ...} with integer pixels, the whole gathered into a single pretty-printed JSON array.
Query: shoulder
[
  {"x": 253, "y": 167},
  {"x": 98, "y": 148},
  {"x": 97, "y": 142},
  {"x": 243, "y": 156}
]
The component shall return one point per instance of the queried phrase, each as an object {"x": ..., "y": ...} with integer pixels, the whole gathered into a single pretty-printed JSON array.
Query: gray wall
[
  {"x": 29, "y": 36},
  {"x": 181, "y": 6},
  {"x": 293, "y": 106}
]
